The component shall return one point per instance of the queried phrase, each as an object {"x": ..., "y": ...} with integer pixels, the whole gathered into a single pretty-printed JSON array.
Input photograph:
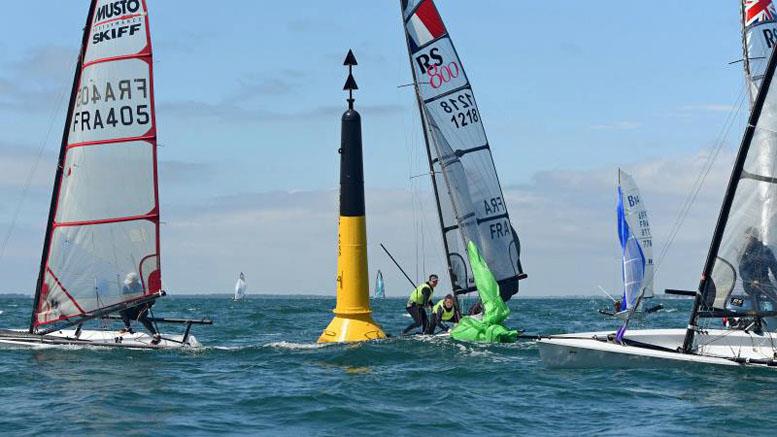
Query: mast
[
  {"x": 424, "y": 127},
  {"x": 61, "y": 164},
  {"x": 725, "y": 209}
]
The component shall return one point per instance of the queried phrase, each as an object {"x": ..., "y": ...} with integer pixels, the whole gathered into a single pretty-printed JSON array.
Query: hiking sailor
[
  {"x": 755, "y": 263},
  {"x": 132, "y": 285},
  {"x": 444, "y": 311},
  {"x": 419, "y": 299}
]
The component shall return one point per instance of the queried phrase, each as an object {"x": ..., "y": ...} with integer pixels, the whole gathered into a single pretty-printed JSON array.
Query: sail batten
[
  {"x": 468, "y": 194},
  {"x": 102, "y": 244}
]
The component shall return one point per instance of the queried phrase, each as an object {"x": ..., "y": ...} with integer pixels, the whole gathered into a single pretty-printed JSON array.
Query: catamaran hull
[
  {"x": 655, "y": 348},
  {"x": 94, "y": 338}
]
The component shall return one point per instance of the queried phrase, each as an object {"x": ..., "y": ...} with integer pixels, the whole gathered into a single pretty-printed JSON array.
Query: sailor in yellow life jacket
[
  {"x": 444, "y": 311},
  {"x": 419, "y": 299}
]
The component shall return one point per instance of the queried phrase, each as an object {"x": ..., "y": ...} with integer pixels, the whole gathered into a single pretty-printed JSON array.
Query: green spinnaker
[{"x": 490, "y": 329}]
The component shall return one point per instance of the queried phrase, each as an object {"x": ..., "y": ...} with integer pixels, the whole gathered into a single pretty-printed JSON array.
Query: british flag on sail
[
  {"x": 425, "y": 24},
  {"x": 758, "y": 11},
  {"x": 758, "y": 18}
]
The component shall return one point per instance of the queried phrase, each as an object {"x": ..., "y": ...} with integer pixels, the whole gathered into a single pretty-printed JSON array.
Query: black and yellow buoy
[{"x": 353, "y": 316}]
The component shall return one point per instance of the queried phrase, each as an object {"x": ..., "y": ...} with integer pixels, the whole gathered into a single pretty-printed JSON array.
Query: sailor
[
  {"x": 444, "y": 311},
  {"x": 419, "y": 299},
  {"x": 132, "y": 285},
  {"x": 755, "y": 263}
]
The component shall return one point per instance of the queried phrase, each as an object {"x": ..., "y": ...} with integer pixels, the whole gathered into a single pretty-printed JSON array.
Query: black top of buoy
[
  {"x": 350, "y": 83},
  {"x": 350, "y": 59}
]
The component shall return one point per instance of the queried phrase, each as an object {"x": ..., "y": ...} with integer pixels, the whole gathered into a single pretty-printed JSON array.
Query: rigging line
[
  {"x": 31, "y": 174},
  {"x": 699, "y": 182},
  {"x": 696, "y": 187}
]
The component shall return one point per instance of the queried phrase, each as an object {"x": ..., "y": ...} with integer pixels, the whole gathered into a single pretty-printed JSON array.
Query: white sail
[
  {"x": 744, "y": 259},
  {"x": 380, "y": 291},
  {"x": 471, "y": 203},
  {"x": 636, "y": 241},
  {"x": 104, "y": 237},
  {"x": 240, "y": 287}
]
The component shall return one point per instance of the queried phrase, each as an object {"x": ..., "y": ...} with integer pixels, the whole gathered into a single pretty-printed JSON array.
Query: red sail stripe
[
  {"x": 149, "y": 138},
  {"x": 150, "y": 216},
  {"x": 123, "y": 17},
  {"x": 141, "y": 55},
  {"x": 428, "y": 15},
  {"x": 64, "y": 290}
]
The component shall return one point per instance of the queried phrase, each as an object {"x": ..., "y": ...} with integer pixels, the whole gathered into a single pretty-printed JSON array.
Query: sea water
[{"x": 261, "y": 372}]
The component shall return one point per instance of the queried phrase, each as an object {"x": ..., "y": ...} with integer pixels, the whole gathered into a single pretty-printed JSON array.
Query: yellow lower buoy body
[{"x": 353, "y": 316}]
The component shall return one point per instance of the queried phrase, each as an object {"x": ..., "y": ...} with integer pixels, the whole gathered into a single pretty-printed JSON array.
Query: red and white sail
[
  {"x": 759, "y": 37},
  {"x": 104, "y": 238}
]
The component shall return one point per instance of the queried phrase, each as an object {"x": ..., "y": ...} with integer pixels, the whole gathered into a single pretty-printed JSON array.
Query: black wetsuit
[
  {"x": 139, "y": 313},
  {"x": 756, "y": 262},
  {"x": 438, "y": 321}
]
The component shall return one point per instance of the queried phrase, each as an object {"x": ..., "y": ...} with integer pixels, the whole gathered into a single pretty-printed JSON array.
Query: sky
[{"x": 249, "y": 98}]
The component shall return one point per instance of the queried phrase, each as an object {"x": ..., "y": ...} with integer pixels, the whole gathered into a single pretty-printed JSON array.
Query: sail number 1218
[{"x": 462, "y": 108}]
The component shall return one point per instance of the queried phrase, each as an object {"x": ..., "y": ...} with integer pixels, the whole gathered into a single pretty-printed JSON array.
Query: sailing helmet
[{"x": 131, "y": 278}]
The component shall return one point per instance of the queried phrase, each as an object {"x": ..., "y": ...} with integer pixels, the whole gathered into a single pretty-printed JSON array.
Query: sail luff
[
  {"x": 736, "y": 175},
  {"x": 60, "y": 165},
  {"x": 424, "y": 127},
  {"x": 746, "y": 51}
]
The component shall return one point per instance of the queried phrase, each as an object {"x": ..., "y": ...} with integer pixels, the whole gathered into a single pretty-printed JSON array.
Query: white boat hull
[
  {"x": 653, "y": 348},
  {"x": 96, "y": 338}
]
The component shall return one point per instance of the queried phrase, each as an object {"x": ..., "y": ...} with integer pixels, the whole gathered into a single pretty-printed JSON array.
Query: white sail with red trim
[{"x": 104, "y": 239}]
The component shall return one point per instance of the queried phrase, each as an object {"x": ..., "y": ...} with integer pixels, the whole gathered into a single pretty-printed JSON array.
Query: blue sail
[{"x": 633, "y": 258}]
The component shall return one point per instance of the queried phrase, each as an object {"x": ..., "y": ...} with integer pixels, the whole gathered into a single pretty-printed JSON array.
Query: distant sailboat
[
  {"x": 380, "y": 292},
  {"x": 240, "y": 287},
  {"x": 636, "y": 250},
  {"x": 736, "y": 280},
  {"x": 101, "y": 252},
  {"x": 470, "y": 203}
]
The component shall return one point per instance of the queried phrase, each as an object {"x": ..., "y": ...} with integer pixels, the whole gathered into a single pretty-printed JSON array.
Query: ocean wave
[{"x": 297, "y": 346}]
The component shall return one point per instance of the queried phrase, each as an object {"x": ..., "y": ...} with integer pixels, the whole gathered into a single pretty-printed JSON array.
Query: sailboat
[
  {"x": 735, "y": 281},
  {"x": 636, "y": 250},
  {"x": 468, "y": 196},
  {"x": 380, "y": 291},
  {"x": 101, "y": 249},
  {"x": 240, "y": 287}
]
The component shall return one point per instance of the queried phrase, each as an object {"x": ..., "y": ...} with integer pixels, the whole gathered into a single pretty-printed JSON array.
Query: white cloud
[{"x": 286, "y": 241}]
